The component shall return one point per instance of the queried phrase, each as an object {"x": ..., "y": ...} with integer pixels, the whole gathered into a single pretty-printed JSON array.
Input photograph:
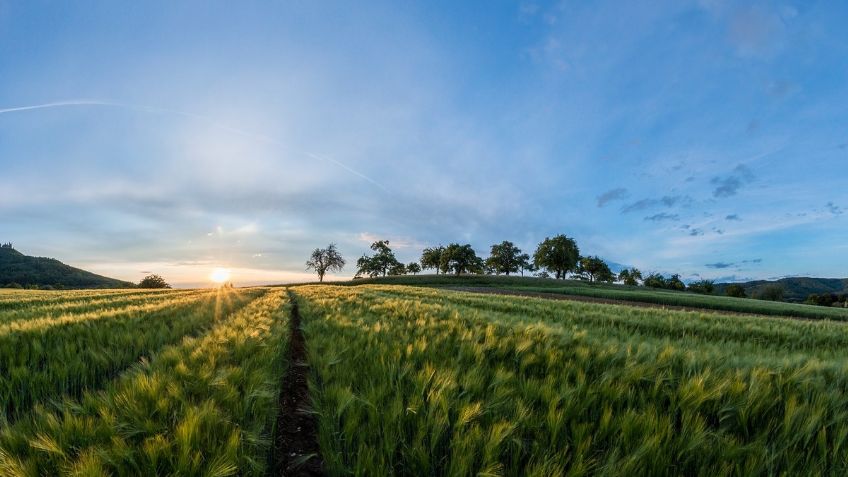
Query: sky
[{"x": 706, "y": 138}]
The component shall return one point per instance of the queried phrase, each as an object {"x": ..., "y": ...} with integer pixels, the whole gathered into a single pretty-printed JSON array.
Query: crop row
[
  {"x": 738, "y": 305},
  {"x": 205, "y": 406},
  {"x": 43, "y": 359},
  {"x": 419, "y": 383},
  {"x": 92, "y": 304},
  {"x": 17, "y": 299}
]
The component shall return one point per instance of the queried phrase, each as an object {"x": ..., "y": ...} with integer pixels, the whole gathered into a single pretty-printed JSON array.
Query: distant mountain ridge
[
  {"x": 795, "y": 288},
  {"x": 24, "y": 270}
]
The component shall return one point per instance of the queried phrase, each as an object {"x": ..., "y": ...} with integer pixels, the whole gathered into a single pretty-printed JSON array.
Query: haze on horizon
[{"x": 707, "y": 138}]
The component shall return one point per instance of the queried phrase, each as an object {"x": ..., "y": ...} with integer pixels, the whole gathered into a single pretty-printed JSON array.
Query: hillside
[
  {"x": 24, "y": 270},
  {"x": 796, "y": 289}
]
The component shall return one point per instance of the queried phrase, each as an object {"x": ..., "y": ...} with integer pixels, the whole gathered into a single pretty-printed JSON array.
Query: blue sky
[{"x": 707, "y": 138}]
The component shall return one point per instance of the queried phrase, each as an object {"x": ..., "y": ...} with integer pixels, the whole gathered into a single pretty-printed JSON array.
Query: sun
[{"x": 220, "y": 275}]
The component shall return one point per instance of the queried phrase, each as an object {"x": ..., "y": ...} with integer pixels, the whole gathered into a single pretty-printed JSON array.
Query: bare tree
[{"x": 325, "y": 260}]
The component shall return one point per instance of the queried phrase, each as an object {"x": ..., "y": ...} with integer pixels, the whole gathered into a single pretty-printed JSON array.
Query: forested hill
[
  {"x": 17, "y": 268},
  {"x": 794, "y": 288}
]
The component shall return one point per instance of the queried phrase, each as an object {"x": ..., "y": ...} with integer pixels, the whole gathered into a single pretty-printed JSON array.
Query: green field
[
  {"x": 617, "y": 292},
  {"x": 415, "y": 381}
]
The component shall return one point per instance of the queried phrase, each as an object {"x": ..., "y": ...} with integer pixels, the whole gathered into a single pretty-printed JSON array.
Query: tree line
[{"x": 555, "y": 257}]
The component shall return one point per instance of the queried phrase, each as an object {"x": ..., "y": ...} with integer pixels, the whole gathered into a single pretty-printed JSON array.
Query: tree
[
  {"x": 153, "y": 281},
  {"x": 736, "y": 291},
  {"x": 675, "y": 283},
  {"x": 595, "y": 269},
  {"x": 325, "y": 260},
  {"x": 524, "y": 263},
  {"x": 772, "y": 292},
  {"x": 505, "y": 258},
  {"x": 704, "y": 287},
  {"x": 413, "y": 268},
  {"x": 432, "y": 258},
  {"x": 6, "y": 245},
  {"x": 460, "y": 259},
  {"x": 558, "y": 254},
  {"x": 380, "y": 263},
  {"x": 630, "y": 276},
  {"x": 654, "y": 280},
  {"x": 398, "y": 269}
]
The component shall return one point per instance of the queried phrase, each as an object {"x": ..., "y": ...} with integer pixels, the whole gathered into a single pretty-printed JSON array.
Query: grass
[
  {"x": 616, "y": 292},
  {"x": 429, "y": 382}
]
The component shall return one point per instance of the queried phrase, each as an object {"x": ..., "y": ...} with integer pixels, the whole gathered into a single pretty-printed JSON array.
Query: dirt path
[
  {"x": 296, "y": 451},
  {"x": 610, "y": 301}
]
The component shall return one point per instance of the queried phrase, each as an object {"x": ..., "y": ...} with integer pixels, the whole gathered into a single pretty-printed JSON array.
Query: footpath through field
[{"x": 296, "y": 451}]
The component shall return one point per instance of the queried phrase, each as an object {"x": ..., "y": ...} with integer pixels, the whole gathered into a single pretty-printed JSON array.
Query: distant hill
[
  {"x": 795, "y": 288},
  {"x": 24, "y": 270}
]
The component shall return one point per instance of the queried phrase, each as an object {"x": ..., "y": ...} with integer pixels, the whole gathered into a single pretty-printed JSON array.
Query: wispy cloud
[
  {"x": 729, "y": 185},
  {"x": 663, "y": 216},
  {"x": 664, "y": 201},
  {"x": 619, "y": 193}
]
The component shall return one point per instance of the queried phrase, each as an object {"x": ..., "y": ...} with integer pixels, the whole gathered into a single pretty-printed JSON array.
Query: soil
[{"x": 296, "y": 451}]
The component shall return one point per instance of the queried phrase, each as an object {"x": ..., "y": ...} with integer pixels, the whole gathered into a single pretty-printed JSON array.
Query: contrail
[{"x": 212, "y": 121}]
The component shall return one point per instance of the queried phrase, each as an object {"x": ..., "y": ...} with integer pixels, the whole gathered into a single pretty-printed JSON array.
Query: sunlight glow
[{"x": 220, "y": 275}]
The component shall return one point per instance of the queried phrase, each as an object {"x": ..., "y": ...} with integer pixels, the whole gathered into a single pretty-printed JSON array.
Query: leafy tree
[
  {"x": 524, "y": 264},
  {"x": 543, "y": 274},
  {"x": 675, "y": 283},
  {"x": 460, "y": 259},
  {"x": 704, "y": 287},
  {"x": 558, "y": 254},
  {"x": 773, "y": 292},
  {"x": 413, "y": 268},
  {"x": 630, "y": 276},
  {"x": 432, "y": 258},
  {"x": 595, "y": 269},
  {"x": 655, "y": 280},
  {"x": 153, "y": 281},
  {"x": 325, "y": 260},
  {"x": 735, "y": 290},
  {"x": 378, "y": 264},
  {"x": 14, "y": 285},
  {"x": 7, "y": 245},
  {"x": 505, "y": 258},
  {"x": 398, "y": 269}
]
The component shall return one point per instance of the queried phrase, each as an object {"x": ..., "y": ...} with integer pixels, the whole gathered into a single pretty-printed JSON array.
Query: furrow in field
[
  {"x": 295, "y": 447},
  {"x": 40, "y": 364},
  {"x": 205, "y": 406},
  {"x": 407, "y": 386}
]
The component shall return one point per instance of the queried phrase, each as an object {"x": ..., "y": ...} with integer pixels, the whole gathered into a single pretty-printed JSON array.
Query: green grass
[
  {"x": 615, "y": 292},
  {"x": 415, "y": 381}
]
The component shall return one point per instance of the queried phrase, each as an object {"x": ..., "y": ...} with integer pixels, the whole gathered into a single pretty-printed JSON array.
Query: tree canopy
[
  {"x": 595, "y": 269},
  {"x": 558, "y": 254},
  {"x": 432, "y": 258},
  {"x": 153, "y": 281},
  {"x": 383, "y": 262},
  {"x": 504, "y": 258},
  {"x": 460, "y": 259}
]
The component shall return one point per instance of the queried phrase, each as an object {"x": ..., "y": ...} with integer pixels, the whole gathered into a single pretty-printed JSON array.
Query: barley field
[{"x": 412, "y": 381}]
